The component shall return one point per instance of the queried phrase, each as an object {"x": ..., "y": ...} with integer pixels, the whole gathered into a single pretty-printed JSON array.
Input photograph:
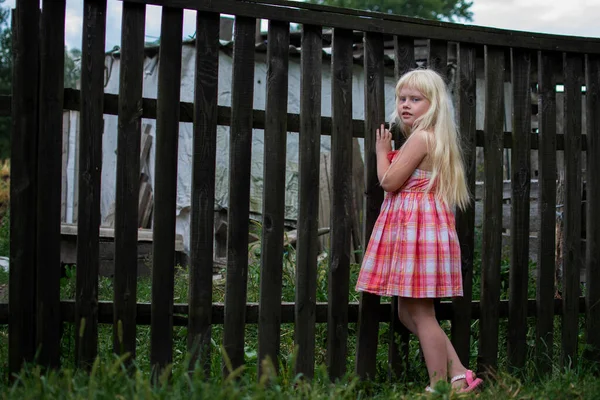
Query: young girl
[{"x": 414, "y": 251}]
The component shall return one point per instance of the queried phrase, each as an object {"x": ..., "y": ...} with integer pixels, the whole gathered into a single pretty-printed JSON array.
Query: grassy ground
[{"x": 110, "y": 379}]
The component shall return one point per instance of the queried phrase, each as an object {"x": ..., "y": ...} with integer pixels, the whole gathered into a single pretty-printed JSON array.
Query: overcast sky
[{"x": 565, "y": 17}]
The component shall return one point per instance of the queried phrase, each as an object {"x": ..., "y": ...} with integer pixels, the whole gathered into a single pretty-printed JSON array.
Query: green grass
[{"x": 111, "y": 379}]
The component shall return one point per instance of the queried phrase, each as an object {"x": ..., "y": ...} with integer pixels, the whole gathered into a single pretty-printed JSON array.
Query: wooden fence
[{"x": 36, "y": 312}]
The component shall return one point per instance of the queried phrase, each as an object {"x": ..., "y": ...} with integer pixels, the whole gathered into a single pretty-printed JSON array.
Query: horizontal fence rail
[
  {"x": 148, "y": 109},
  {"x": 180, "y": 312}
]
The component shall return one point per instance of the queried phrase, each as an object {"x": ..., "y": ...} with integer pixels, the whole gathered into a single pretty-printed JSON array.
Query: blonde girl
[{"x": 413, "y": 252}]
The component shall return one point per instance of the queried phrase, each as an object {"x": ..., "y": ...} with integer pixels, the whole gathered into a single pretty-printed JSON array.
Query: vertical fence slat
[
  {"x": 239, "y": 191},
  {"x": 547, "y": 210},
  {"x": 90, "y": 169},
  {"x": 341, "y": 196},
  {"x": 128, "y": 177},
  {"x": 21, "y": 325},
  {"x": 165, "y": 196},
  {"x": 404, "y": 54},
  {"x": 492, "y": 208},
  {"x": 308, "y": 198},
  {"x": 368, "y": 316},
  {"x": 520, "y": 185},
  {"x": 269, "y": 312},
  {"x": 465, "y": 220},
  {"x": 49, "y": 177},
  {"x": 573, "y": 73},
  {"x": 592, "y": 269},
  {"x": 437, "y": 57},
  {"x": 203, "y": 189}
]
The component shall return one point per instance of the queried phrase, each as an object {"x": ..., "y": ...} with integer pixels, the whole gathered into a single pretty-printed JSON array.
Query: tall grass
[{"x": 111, "y": 379}]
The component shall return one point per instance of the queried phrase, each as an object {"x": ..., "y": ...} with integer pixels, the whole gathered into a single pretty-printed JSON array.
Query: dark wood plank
[
  {"x": 49, "y": 177},
  {"x": 592, "y": 237},
  {"x": 304, "y": 13},
  {"x": 491, "y": 252},
  {"x": 519, "y": 229},
  {"x": 437, "y": 56},
  {"x": 547, "y": 69},
  {"x": 308, "y": 198},
  {"x": 573, "y": 79},
  {"x": 273, "y": 212},
  {"x": 128, "y": 177},
  {"x": 72, "y": 98},
  {"x": 22, "y": 296},
  {"x": 180, "y": 311},
  {"x": 341, "y": 196},
  {"x": 368, "y": 327},
  {"x": 90, "y": 169},
  {"x": 203, "y": 189},
  {"x": 240, "y": 144},
  {"x": 404, "y": 56},
  {"x": 165, "y": 188},
  {"x": 466, "y": 113}
]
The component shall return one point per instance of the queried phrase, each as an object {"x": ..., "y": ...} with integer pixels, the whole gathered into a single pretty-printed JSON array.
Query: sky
[{"x": 563, "y": 17}]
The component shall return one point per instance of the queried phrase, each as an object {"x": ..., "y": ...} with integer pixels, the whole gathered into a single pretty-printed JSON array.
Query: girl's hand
[{"x": 383, "y": 140}]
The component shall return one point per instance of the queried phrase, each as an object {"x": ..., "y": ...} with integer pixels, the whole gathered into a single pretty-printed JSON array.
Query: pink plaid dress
[{"x": 413, "y": 250}]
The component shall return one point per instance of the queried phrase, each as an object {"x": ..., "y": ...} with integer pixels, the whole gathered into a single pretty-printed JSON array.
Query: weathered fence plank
[
  {"x": 49, "y": 176},
  {"x": 368, "y": 326},
  {"x": 437, "y": 56},
  {"x": 519, "y": 230},
  {"x": 341, "y": 196},
  {"x": 592, "y": 238},
  {"x": 466, "y": 111},
  {"x": 547, "y": 71},
  {"x": 128, "y": 177},
  {"x": 90, "y": 168},
  {"x": 258, "y": 119},
  {"x": 344, "y": 18},
  {"x": 404, "y": 55},
  {"x": 203, "y": 189},
  {"x": 492, "y": 226},
  {"x": 106, "y": 309},
  {"x": 573, "y": 79},
  {"x": 308, "y": 198},
  {"x": 21, "y": 295},
  {"x": 165, "y": 187},
  {"x": 239, "y": 191},
  {"x": 269, "y": 325}
]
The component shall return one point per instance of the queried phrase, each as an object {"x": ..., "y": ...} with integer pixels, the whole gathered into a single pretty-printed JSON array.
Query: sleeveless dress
[{"x": 413, "y": 250}]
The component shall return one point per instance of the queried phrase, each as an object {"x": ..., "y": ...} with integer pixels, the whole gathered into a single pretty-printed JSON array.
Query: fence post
[
  {"x": 308, "y": 198},
  {"x": 129, "y": 133},
  {"x": 49, "y": 183},
  {"x": 592, "y": 269},
  {"x": 23, "y": 190},
  {"x": 165, "y": 195}
]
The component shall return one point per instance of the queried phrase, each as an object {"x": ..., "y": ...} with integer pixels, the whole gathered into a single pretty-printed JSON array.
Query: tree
[
  {"x": 442, "y": 10},
  {"x": 72, "y": 67},
  {"x": 5, "y": 76}
]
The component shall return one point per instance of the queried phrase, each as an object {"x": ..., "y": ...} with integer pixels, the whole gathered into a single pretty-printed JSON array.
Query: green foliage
[
  {"x": 72, "y": 67},
  {"x": 5, "y": 76},
  {"x": 443, "y": 10}
]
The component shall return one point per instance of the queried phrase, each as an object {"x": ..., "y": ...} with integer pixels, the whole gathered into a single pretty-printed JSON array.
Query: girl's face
[{"x": 411, "y": 105}]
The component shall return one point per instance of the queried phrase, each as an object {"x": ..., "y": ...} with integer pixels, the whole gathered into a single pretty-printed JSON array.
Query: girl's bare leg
[{"x": 454, "y": 365}]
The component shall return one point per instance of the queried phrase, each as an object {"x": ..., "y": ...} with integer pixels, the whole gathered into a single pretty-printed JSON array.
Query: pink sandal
[{"x": 472, "y": 382}]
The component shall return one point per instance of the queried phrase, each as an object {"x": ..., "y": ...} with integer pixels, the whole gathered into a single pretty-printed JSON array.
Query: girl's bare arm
[{"x": 406, "y": 161}]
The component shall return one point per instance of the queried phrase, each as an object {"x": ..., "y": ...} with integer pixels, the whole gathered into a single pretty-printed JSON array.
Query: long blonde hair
[{"x": 448, "y": 172}]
